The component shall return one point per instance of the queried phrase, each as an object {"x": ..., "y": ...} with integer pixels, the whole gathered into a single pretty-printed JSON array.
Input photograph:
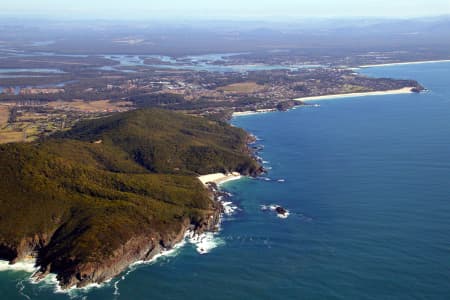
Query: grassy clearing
[
  {"x": 244, "y": 87},
  {"x": 90, "y": 106},
  {"x": 4, "y": 115},
  {"x": 11, "y": 137}
]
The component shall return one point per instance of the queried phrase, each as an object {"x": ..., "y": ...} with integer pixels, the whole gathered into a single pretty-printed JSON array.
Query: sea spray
[
  {"x": 27, "y": 265},
  {"x": 204, "y": 242}
]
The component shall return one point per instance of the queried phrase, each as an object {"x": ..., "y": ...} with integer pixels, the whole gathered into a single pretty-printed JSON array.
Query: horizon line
[{"x": 217, "y": 18}]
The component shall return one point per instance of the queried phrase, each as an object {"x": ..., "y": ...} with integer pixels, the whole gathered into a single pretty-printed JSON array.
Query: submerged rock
[{"x": 280, "y": 210}]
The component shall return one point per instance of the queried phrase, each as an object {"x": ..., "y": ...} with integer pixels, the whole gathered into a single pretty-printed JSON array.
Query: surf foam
[{"x": 27, "y": 265}]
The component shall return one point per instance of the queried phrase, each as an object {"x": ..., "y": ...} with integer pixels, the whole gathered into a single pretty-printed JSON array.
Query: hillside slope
[{"x": 109, "y": 192}]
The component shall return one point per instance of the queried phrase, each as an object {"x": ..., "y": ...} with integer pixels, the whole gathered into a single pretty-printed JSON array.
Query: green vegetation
[
  {"x": 153, "y": 100},
  {"x": 168, "y": 142},
  {"x": 78, "y": 196}
]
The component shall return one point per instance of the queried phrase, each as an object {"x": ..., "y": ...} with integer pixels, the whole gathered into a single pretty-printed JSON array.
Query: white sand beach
[
  {"x": 219, "y": 178},
  {"x": 252, "y": 112},
  {"x": 406, "y": 90},
  {"x": 405, "y": 63}
]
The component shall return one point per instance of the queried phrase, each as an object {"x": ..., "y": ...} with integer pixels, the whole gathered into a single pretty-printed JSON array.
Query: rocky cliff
[{"x": 88, "y": 210}]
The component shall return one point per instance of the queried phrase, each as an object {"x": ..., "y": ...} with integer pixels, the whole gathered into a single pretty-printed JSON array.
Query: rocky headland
[{"x": 87, "y": 210}]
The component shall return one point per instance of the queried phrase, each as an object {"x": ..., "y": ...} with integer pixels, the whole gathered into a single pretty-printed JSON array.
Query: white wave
[
  {"x": 284, "y": 216},
  {"x": 264, "y": 207},
  {"x": 21, "y": 288},
  {"x": 116, "y": 286},
  {"x": 205, "y": 242},
  {"x": 228, "y": 194},
  {"x": 52, "y": 282},
  {"x": 229, "y": 208},
  {"x": 164, "y": 253},
  {"x": 265, "y": 178},
  {"x": 273, "y": 207},
  {"x": 27, "y": 265},
  {"x": 281, "y": 180}
]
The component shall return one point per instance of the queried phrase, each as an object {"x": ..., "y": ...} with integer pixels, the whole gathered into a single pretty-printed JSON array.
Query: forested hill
[
  {"x": 169, "y": 142},
  {"x": 111, "y": 191}
]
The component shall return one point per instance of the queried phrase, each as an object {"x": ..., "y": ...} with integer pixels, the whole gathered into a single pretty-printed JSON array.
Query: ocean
[{"x": 367, "y": 183}]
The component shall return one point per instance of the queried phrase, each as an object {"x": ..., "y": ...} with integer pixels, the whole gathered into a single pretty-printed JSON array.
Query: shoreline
[
  {"x": 202, "y": 236},
  {"x": 252, "y": 112},
  {"x": 29, "y": 266},
  {"x": 25, "y": 265},
  {"x": 219, "y": 178},
  {"x": 405, "y": 90},
  {"x": 403, "y": 63},
  {"x": 203, "y": 241}
]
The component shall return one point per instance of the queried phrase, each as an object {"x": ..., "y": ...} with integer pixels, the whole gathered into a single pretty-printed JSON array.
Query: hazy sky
[{"x": 131, "y": 9}]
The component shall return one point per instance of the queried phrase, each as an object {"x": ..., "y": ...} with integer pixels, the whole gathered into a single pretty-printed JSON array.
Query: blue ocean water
[{"x": 367, "y": 183}]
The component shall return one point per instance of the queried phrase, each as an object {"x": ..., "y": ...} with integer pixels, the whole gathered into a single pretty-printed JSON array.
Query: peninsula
[{"x": 88, "y": 202}]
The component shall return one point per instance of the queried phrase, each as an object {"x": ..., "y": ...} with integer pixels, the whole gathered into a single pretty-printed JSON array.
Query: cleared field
[
  {"x": 243, "y": 87},
  {"x": 11, "y": 137},
  {"x": 91, "y": 106},
  {"x": 4, "y": 115},
  {"x": 31, "y": 117},
  {"x": 54, "y": 116}
]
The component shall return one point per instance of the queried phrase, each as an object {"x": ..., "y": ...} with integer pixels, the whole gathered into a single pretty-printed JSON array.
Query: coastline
[
  {"x": 26, "y": 265},
  {"x": 219, "y": 178},
  {"x": 406, "y": 90},
  {"x": 252, "y": 112},
  {"x": 201, "y": 235},
  {"x": 29, "y": 265},
  {"x": 404, "y": 63}
]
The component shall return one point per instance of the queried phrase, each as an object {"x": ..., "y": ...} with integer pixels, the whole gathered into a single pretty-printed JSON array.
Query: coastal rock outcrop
[
  {"x": 137, "y": 248},
  {"x": 281, "y": 212}
]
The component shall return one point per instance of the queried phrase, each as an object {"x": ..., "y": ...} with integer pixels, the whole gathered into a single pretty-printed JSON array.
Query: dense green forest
[{"x": 76, "y": 197}]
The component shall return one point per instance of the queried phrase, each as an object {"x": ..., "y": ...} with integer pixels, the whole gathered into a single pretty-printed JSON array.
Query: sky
[{"x": 242, "y": 9}]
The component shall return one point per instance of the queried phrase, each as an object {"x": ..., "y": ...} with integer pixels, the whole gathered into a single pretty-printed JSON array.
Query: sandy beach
[
  {"x": 406, "y": 90},
  {"x": 219, "y": 178},
  {"x": 405, "y": 63},
  {"x": 252, "y": 112}
]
